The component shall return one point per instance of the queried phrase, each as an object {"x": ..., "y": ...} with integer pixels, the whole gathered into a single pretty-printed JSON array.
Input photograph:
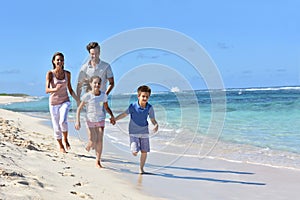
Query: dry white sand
[
  {"x": 32, "y": 168},
  {"x": 11, "y": 99}
]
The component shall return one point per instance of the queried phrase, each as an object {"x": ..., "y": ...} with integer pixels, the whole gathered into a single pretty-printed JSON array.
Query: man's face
[{"x": 94, "y": 54}]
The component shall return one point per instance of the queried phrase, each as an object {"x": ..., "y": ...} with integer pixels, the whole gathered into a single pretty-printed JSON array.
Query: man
[{"x": 95, "y": 66}]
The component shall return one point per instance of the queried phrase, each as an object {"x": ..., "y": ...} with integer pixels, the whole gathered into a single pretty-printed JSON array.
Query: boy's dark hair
[
  {"x": 144, "y": 88},
  {"x": 92, "y": 45}
]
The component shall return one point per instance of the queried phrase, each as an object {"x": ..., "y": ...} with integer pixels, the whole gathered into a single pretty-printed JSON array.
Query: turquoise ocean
[{"x": 260, "y": 125}]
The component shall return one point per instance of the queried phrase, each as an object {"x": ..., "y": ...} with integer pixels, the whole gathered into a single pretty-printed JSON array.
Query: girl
[{"x": 95, "y": 101}]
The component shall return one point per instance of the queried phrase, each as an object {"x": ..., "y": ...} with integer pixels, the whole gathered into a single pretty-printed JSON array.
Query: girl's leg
[
  {"x": 91, "y": 138},
  {"x": 99, "y": 146},
  {"x": 94, "y": 137}
]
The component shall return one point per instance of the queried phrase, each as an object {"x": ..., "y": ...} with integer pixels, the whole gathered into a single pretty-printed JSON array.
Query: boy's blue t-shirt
[{"x": 138, "y": 118}]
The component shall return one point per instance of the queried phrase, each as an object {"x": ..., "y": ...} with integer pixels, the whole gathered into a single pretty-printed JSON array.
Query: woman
[{"x": 58, "y": 82}]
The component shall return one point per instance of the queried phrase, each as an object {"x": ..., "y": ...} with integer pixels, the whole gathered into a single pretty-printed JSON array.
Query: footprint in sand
[
  {"x": 67, "y": 167},
  {"x": 66, "y": 174},
  {"x": 82, "y": 195},
  {"x": 79, "y": 184},
  {"x": 10, "y": 174},
  {"x": 23, "y": 182},
  {"x": 15, "y": 178},
  {"x": 53, "y": 156}
]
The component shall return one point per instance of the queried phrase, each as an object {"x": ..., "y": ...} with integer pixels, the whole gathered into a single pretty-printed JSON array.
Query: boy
[{"x": 138, "y": 125}]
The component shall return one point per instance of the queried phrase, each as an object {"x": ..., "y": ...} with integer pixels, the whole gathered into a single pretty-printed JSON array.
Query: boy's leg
[
  {"x": 134, "y": 145},
  {"x": 145, "y": 147},
  {"x": 143, "y": 161}
]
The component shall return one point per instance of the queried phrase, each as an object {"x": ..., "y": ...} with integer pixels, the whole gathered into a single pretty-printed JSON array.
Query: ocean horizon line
[{"x": 229, "y": 89}]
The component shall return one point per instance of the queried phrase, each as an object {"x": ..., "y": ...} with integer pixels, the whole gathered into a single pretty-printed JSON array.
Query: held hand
[
  {"x": 155, "y": 129},
  {"x": 112, "y": 121},
  {"x": 77, "y": 125}
]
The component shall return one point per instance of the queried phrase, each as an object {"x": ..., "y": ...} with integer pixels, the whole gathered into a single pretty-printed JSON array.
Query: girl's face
[
  {"x": 95, "y": 84},
  {"x": 94, "y": 54},
  {"x": 58, "y": 61}
]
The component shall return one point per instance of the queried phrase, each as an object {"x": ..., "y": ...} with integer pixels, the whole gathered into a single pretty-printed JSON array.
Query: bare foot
[
  {"x": 98, "y": 165},
  {"x": 62, "y": 149},
  {"x": 135, "y": 153},
  {"x": 89, "y": 146},
  {"x": 68, "y": 145},
  {"x": 142, "y": 171}
]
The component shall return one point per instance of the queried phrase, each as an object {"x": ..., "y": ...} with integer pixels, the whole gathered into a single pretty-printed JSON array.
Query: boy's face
[{"x": 143, "y": 98}]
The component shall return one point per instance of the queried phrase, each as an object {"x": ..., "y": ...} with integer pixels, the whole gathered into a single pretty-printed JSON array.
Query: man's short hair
[{"x": 92, "y": 45}]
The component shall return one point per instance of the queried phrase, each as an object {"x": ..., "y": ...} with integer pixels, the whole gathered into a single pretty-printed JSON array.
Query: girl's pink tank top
[{"x": 61, "y": 95}]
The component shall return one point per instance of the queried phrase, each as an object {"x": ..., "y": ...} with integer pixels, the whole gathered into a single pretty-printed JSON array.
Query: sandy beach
[
  {"x": 32, "y": 168},
  {"x": 11, "y": 99}
]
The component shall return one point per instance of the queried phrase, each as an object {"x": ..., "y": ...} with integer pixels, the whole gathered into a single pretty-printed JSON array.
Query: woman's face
[{"x": 58, "y": 61}]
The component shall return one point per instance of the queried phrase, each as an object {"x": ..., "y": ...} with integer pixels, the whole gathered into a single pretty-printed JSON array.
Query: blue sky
[{"x": 252, "y": 43}]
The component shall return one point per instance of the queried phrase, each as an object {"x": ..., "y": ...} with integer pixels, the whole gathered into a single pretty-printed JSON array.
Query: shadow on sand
[{"x": 134, "y": 165}]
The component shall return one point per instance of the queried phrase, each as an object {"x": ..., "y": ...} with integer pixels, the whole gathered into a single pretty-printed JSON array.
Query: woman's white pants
[{"x": 59, "y": 116}]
